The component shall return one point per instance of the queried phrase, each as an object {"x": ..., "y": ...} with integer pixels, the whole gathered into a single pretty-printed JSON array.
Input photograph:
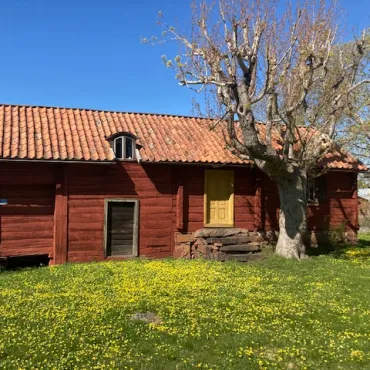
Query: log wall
[
  {"x": 89, "y": 186},
  {"x": 27, "y": 222},
  {"x": 341, "y": 204},
  {"x": 60, "y": 208},
  {"x": 193, "y": 197}
]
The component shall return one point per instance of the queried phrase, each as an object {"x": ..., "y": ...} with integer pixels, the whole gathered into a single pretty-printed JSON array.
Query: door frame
[
  {"x": 135, "y": 248},
  {"x": 231, "y": 175}
]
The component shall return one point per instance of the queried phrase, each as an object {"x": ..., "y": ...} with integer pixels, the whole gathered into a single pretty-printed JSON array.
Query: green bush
[{"x": 337, "y": 238}]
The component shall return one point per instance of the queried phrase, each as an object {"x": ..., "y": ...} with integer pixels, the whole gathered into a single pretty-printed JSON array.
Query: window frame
[
  {"x": 135, "y": 240},
  {"x": 319, "y": 192},
  {"x": 123, "y": 143},
  {"x": 128, "y": 138}
]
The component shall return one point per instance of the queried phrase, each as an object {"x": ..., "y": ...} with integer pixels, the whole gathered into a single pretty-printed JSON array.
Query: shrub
[{"x": 336, "y": 237}]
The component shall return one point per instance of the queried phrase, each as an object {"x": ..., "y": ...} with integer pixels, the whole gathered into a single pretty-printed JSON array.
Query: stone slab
[
  {"x": 218, "y": 232},
  {"x": 236, "y": 239},
  {"x": 253, "y": 247},
  {"x": 184, "y": 238}
]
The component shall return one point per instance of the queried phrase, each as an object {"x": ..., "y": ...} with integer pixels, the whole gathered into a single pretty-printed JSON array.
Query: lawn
[{"x": 275, "y": 313}]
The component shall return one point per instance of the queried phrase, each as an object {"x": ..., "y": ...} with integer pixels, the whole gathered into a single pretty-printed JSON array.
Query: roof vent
[
  {"x": 37, "y": 136},
  {"x": 98, "y": 122}
]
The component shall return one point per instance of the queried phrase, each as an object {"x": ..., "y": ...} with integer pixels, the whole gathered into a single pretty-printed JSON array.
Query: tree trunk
[{"x": 293, "y": 216}]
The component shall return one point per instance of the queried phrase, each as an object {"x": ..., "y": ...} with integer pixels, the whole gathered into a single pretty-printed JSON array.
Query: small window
[
  {"x": 118, "y": 147},
  {"x": 124, "y": 147},
  {"x": 129, "y": 148},
  {"x": 316, "y": 190}
]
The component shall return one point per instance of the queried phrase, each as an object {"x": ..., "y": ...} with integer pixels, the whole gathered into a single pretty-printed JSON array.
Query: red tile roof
[{"x": 49, "y": 133}]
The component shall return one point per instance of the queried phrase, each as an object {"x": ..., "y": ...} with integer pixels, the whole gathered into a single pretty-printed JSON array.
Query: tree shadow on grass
[
  {"x": 364, "y": 241},
  {"x": 340, "y": 250},
  {"x": 322, "y": 249}
]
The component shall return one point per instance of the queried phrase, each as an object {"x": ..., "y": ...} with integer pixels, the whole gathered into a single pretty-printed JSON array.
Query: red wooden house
[{"x": 82, "y": 185}]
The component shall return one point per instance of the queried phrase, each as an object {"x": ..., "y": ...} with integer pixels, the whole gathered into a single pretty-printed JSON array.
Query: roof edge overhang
[
  {"x": 346, "y": 170},
  {"x": 60, "y": 161},
  {"x": 114, "y": 161},
  {"x": 110, "y": 162},
  {"x": 212, "y": 164}
]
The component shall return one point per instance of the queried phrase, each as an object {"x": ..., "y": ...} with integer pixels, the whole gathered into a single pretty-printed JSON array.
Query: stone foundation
[
  {"x": 240, "y": 244},
  {"x": 219, "y": 244}
]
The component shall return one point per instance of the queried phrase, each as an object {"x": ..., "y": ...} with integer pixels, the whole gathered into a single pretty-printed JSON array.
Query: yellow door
[{"x": 219, "y": 198}]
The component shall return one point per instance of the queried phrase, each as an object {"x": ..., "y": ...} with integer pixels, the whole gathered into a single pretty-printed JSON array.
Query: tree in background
[
  {"x": 251, "y": 54},
  {"x": 353, "y": 133}
]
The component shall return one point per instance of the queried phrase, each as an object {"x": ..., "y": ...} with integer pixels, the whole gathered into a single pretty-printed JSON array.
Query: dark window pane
[
  {"x": 322, "y": 193},
  {"x": 129, "y": 154},
  {"x": 317, "y": 190},
  {"x": 311, "y": 191},
  {"x": 118, "y": 148}
]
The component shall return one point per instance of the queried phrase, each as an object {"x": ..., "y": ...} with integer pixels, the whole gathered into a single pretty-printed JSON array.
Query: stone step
[
  {"x": 235, "y": 239},
  {"x": 245, "y": 257},
  {"x": 218, "y": 232},
  {"x": 235, "y": 248}
]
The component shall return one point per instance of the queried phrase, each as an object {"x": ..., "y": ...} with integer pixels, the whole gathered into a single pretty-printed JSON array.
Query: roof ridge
[{"x": 104, "y": 110}]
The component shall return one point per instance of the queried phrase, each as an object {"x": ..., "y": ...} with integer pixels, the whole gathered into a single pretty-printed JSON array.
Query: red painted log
[
  {"x": 180, "y": 207},
  {"x": 61, "y": 221}
]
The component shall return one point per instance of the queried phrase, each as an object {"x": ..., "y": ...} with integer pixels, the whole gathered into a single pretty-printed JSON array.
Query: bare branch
[
  {"x": 214, "y": 124},
  {"x": 250, "y": 56},
  {"x": 355, "y": 86}
]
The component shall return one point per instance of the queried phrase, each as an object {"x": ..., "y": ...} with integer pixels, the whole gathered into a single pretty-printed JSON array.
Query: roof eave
[{"x": 29, "y": 160}]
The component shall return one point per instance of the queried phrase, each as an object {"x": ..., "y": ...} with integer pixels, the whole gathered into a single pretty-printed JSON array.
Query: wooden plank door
[
  {"x": 121, "y": 227},
  {"x": 219, "y": 196}
]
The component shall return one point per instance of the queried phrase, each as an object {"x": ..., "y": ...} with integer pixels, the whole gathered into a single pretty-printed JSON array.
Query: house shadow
[
  {"x": 110, "y": 180},
  {"x": 364, "y": 242},
  {"x": 27, "y": 261},
  {"x": 333, "y": 241}
]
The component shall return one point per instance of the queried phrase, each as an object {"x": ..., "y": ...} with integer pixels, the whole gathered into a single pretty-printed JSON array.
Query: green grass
[{"x": 276, "y": 313}]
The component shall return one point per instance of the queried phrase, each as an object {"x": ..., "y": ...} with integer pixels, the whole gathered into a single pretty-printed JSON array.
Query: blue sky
[{"x": 88, "y": 54}]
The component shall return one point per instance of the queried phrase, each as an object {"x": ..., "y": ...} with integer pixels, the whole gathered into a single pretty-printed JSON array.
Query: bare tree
[
  {"x": 249, "y": 53},
  {"x": 353, "y": 133}
]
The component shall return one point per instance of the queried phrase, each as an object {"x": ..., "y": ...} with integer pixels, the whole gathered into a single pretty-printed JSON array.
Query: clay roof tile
[{"x": 80, "y": 134}]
